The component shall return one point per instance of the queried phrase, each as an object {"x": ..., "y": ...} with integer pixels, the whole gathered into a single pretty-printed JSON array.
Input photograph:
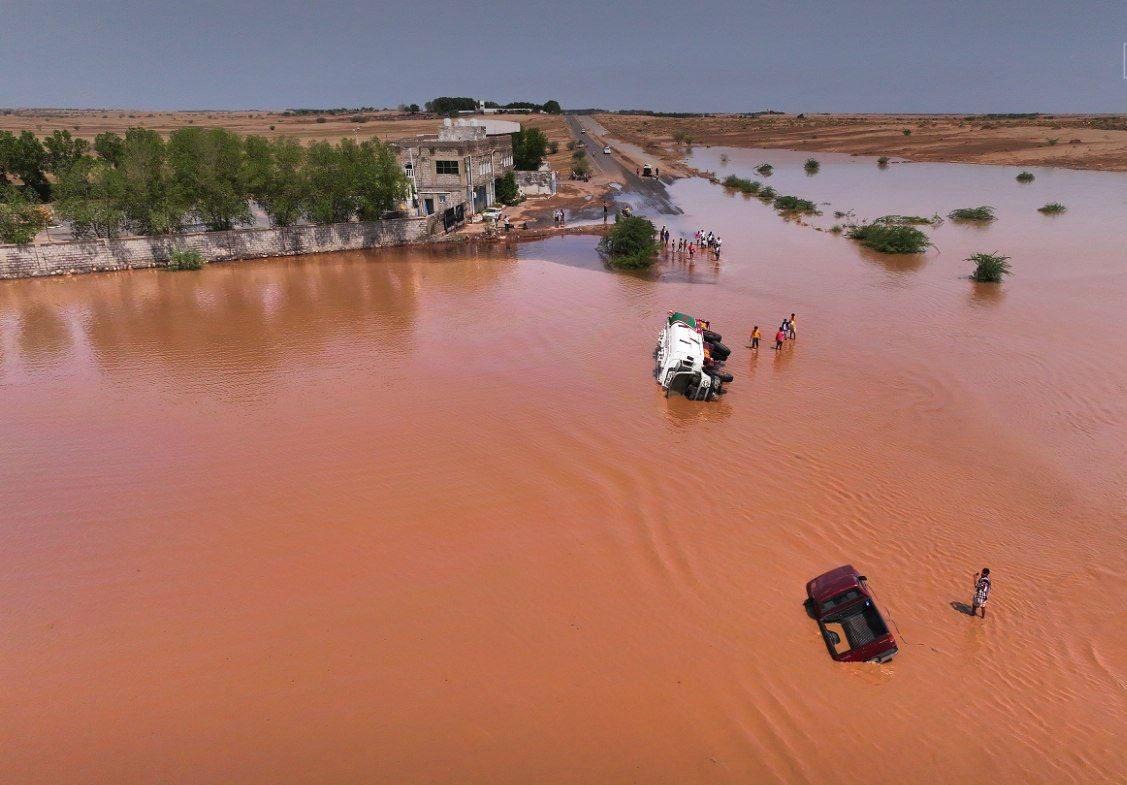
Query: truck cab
[{"x": 847, "y": 615}]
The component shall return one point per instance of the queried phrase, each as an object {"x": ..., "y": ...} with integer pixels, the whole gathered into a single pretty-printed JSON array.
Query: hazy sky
[{"x": 688, "y": 55}]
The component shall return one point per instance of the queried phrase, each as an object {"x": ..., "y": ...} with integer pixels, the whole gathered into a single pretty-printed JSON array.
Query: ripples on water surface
[{"x": 417, "y": 516}]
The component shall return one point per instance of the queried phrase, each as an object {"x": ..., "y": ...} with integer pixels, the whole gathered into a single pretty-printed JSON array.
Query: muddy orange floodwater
[{"x": 424, "y": 516}]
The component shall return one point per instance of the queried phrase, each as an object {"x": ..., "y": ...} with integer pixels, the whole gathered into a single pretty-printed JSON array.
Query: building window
[
  {"x": 409, "y": 169},
  {"x": 445, "y": 167},
  {"x": 485, "y": 168},
  {"x": 507, "y": 161}
]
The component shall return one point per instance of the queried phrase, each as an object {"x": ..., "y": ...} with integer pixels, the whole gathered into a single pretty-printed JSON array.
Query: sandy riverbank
[{"x": 1074, "y": 141}]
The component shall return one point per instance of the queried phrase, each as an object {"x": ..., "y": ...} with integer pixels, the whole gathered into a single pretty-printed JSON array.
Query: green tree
[
  {"x": 450, "y": 104},
  {"x": 378, "y": 180},
  {"x": 328, "y": 192},
  {"x": 145, "y": 190},
  {"x": 88, "y": 196},
  {"x": 109, "y": 147},
  {"x": 206, "y": 165},
  {"x": 553, "y": 107},
  {"x": 63, "y": 151},
  {"x": 506, "y": 189},
  {"x": 25, "y": 157},
  {"x": 630, "y": 243},
  {"x": 20, "y": 217},
  {"x": 273, "y": 177},
  {"x": 530, "y": 148}
]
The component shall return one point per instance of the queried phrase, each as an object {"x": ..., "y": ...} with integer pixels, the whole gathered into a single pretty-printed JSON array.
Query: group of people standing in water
[
  {"x": 786, "y": 332},
  {"x": 699, "y": 242}
]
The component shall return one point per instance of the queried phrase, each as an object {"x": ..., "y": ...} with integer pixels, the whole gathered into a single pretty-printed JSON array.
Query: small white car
[
  {"x": 606, "y": 150},
  {"x": 491, "y": 214}
]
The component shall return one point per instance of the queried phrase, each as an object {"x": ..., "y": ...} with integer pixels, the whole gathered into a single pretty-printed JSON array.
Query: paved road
[{"x": 644, "y": 194}]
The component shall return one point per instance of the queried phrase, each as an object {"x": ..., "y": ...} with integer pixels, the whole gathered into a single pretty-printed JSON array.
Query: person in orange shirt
[{"x": 755, "y": 338}]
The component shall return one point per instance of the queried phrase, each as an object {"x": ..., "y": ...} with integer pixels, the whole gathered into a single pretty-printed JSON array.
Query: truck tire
[
  {"x": 719, "y": 350},
  {"x": 724, "y": 377},
  {"x": 708, "y": 335}
]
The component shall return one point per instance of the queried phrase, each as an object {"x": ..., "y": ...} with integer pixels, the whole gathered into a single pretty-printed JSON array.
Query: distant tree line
[
  {"x": 337, "y": 110},
  {"x": 445, "y": 105},
  {"x": 145, "y": 184}
]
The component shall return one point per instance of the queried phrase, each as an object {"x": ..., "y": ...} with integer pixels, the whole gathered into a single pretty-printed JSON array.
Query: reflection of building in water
[{"x": 452, "y": 173}]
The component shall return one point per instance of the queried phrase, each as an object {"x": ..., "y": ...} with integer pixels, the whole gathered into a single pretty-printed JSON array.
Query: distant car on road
[
  {"x": 582, "y": 130},
  {"x": 606, "y": 150}
]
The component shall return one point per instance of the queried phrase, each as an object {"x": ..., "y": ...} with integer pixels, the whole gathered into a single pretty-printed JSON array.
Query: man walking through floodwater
[{"x": 981, "y": 592}]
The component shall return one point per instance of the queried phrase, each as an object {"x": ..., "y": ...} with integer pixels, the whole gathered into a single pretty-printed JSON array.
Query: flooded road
[{"x": 423, "y": 516}]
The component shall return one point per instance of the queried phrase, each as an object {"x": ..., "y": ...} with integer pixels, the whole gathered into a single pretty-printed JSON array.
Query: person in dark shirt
[{"x": 981, "y": 592}]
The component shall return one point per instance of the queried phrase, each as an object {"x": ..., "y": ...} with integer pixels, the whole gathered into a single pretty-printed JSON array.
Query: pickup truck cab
[{"x": 847, "y": 615}]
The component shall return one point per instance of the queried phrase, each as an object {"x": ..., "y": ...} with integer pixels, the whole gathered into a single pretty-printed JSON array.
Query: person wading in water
[
  {"x": 981, "y": 592},
  {"x": 755, "y": 338}
]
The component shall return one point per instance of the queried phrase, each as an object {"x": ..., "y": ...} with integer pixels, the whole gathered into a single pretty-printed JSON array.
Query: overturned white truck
[{"x": 689, "y": 358}]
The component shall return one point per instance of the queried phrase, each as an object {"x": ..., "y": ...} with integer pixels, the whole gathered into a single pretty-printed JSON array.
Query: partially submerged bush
[
  {"x": 983, "y": 213},
  {"x": 908, "y": 220},
  {"x": 989, "y": 268},
  {"x": 767, "y": 193},
  {"x": 630, "y": 243},
  {"x": 1052, "y": 208},
  {"x": 792, "y": 204},
  {"x": 811, "y": 165},
  {"x": 890, "y": 238},
  {"x": 907, "y": 132},
  {"x": 741, "y": 185},
  {"x": 882, "y": 161},
  {"x": 1025, "y": 177},
  {"x": 765, "y": 169},
  {"x": 836, "y": 229},
  {"x": 189, "y": 259}
]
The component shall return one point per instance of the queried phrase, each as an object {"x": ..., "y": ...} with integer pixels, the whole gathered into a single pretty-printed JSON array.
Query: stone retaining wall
[{"x": 87, "y": 256}]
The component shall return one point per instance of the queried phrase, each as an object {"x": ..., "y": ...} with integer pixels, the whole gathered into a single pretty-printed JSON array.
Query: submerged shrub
[
  {"x": 908, "y": 220},
  {"x": 792, "y": 204},
  {"x": 989, "y": 268},
  {"x": 742, "y": 185},
  {"x": 907, "y": 132},
  {"x": 767, "y": 193},
  {"x": 890, "y": 238},
  {"x": 983, "y": 213},
  {"x": 836, "y": 229},
  {"x": 189, "y": 259},
  {"x": 882, "y": 162},
  {"x": 1025, "y": 177},
  {"x": 765, "y": 169},
  {"x": 630, "y": 244},
  {"x": 1052, "y": 208},
  {"x": 811, "y": 165}
]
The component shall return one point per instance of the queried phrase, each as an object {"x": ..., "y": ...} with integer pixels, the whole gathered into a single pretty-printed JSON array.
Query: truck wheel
[
  {"x": 725, "y": 377},
  {"x": 708, "y": 335},
  {"x": 720, "y": 351}
]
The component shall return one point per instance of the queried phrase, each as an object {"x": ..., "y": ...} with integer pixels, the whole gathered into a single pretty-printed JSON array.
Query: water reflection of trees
[
  {"x": 893, "y": 262},
  {"x": 986, "y": 294},
  {"x": 253, "y": 314}
]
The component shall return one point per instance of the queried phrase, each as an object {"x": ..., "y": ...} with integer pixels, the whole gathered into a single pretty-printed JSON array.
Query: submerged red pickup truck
[{"x": 851, "y": 624}]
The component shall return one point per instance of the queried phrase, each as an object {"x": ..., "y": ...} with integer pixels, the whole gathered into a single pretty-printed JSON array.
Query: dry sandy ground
[
  {"x": 1074, "y": 141},
  {"x": 88, "y": 123}
]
